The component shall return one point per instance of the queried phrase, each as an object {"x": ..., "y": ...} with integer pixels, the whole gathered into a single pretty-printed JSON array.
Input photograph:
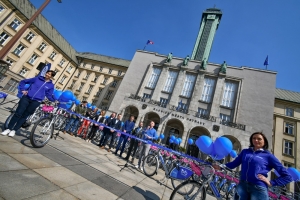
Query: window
[
  {"x": 87, "y": 76},
  {"x": 78, "y": 74},
  {"x": 289, "y": 128},
  {"x": 99, "y": 92},
  {"x": 62, "y": 79},
  {"x": 289, "y": 112},
  {"x": 202, "y": 112},
  {"x": 114, "y": 83},
  {"x": 101, "y": 69},
  {"x": 92, "y": 67},
  {"x": 10, "y": 61},
  {"x": 288, "y": 147},
  {"x": 32, "y": 59},
  {"x": 23, "y": 71},
  {"x": 208, "y": 89},
  {"x": 287, "y": 164},
  {"x": 15, "y": 24},
  {"x": 109, "y": 94},
  {"x": 2, "y": 78},
  {"x": 69, "y": 69},
  {"x": 153, "y": 78},
  {"x": 146, "y": 96},
  {"x": 80, "y": 86},
  {"x": 52, "y": 55},
  {"x": 163, "y": 102},
  {"x": 90, "y": 89},
  {"x": 188, "y": 85},
  {"x": 170, "y": 82},
  {"x": 96, "y": 78},
  {"x": 84, "y": 98},
  {"x": 43, "y": 46},
  {"x": 229, "y": 94},
  {"x": 3, "y": 37},
  {"x": 12, "y": 85},
  {"x": 19, "y": 49},
  {"x": 72, "y": 84},
  {"x": 61, "y": 63},
  {"x": 224, "y": 118},
  {"x": 56, "y": 70},
  {"x": 109, "y": 71},
  {"x": 83, "y": 64},
  {"x": 105, "y": 81},
  {"x": 119, "y": 73},
  {"x": 94, "y": 101},
  {"x": 1, "y": 8},
  {"x": 30, "y": 36},
  {"x": 182, "y": 107}
]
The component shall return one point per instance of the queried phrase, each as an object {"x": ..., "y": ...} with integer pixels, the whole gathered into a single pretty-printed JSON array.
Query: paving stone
[
  {"x": 34, "y": 161},
  {"x": 86, "y": 171},
  {"x": 57, "y": 195},
  {"x": 107, "y": 168},
  {"x": 60, "y": 176},
  {"x": 62, "y": 159},
  {"x": 23, "y": 184},
  {"x": 7, "y": 163},
  {"x": 14, "y": 147},
  {"x": 139, "y": 193}
]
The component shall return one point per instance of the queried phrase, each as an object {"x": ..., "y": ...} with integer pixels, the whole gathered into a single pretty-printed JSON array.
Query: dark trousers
[
  {"x": 104, "y": 137},
  {"x": 133, "y": 146},
  {"x": 25, "y": 108},
  {"x": 123, "y": 138},
  {"x": 93, "y": 132},
  {"x": 113, "y": 136}
]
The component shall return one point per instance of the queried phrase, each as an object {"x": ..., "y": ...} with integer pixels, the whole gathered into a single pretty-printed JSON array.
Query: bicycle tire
[
  {"x": 231, "y": 193},
  {"x": 150, "y": 163},
  {"x": 5, "y": 125},
  {"x": 39, "y": 131},
  {"x": 191, "y": 189},
  {"x": 2, "y": 101}
]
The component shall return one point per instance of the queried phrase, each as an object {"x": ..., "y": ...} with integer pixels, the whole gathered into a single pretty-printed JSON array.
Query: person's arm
[
  {"x": 236, "y": 162},
  {"x": 26, "y": 81},
  {"x": 49, "y": 94}
]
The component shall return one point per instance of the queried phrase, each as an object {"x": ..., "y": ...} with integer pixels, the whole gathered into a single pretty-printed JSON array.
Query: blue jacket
[
  {"x": 128, "y": 126},
  {"x": 38, "y": 88},
  {"x": 150, "y": 132},
  {"x": 259, "y": 162}
]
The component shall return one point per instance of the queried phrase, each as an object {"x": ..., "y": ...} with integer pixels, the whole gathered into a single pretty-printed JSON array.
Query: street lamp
[{"x": 16, "y": 37}]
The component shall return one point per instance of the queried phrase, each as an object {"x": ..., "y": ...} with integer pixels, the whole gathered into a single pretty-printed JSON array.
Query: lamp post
[{"x": 16, "y": 37}]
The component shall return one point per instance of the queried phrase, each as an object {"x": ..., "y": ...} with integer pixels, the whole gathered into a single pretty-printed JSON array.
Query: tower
[{"x": 209, "y": 25}]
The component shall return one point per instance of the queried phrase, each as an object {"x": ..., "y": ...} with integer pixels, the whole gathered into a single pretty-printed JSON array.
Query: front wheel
[
  {"x": 150, "y": 165},
  {"x": 41, "y": 132},
  {"x": 5, "y": 125},
  {"x": 191, "y": 189}
]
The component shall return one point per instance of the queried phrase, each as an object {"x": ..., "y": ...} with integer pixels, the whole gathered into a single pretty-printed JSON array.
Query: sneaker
[
  {"x": 12, "y": 133},
  {"x": 137, "y": 166},
  {"x": 108, "y": 150},
  {"x": 65, "y": 132},
  {"x": 5, "y": 132},
  {"x": 141, "y": 169},
  {"x": 71, "y": 134}
]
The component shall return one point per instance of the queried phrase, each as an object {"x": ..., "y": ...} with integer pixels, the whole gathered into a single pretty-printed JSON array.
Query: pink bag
[{"x": 46, "y": 108}]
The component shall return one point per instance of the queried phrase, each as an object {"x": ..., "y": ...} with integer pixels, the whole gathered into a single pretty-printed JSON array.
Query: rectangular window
[
  {"x": 208, "y": 89},
  {"x": 288, "y": 148},
  {"x": 109, "y": 94},
  {"x": 105, "y": 81},
  {"x": 84, "y": 98},
  {"x": 202, "y": 112},
  {"x": 87, "y": 76},
  {"x": 3, "y": 37},
  {"x": 119, "y": 73},
  {"x": 15, "y": 24},
  {"x": 19, "y": 49},
  {"x": 80, "y": 86},
  {"x": 33, "y": 59},
  {"x": 163, "y": 102},
  {"x": 287, "y": 164},
  {"x": 10, "y": 61},
  {"x": 72, "y": 84},
  {"x": 92, "y": 67},
  {"x": 62, "y": 79},
  {"x": 99, "y": 92},
  {"x": 94, "y": 101},
  {"x": 114, "y": 83},
  {"x": 2, "y": 78},
  {"x": 78, "y": 74},
  {"x": 69, "y": 69},
  {"x": 289, "y": 128},
  {"x": 109, "y": 71},
  {"x": 61, "y": 63},
  {"x": 56, "y": 70},
  {"x": 23, "y": 71},
  {"x": 170, "y": 82},
  {"x": 12, "y": 85},
  {"x": 154, "y": 78},
  {"x": 182, "y": 107},
  {"x": 43, "y": 46},
  {"x": 1, "y": 8},
  {"x": 90, "y": 89},
  {"x": 52, "y": 55},
  {"x": 101, "y": 69},
  {"x": 289, "y": 112},
  {"x": 224, "y": 118},
  {"x": 83, "y": 64},
  {"x": 188, "y": 85},
  {"x": 30, "y": 36},
  {"x": 229, "y": 94},
  {"x": 96, "y": 78}
]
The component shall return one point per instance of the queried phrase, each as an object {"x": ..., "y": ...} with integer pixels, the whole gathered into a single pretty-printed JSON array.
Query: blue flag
[
  {"x": 266, "y": 63},
  {"x": 44, "y": 70}
]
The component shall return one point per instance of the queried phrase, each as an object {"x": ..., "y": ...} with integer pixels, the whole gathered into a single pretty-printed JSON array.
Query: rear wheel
[
  {"x": 191, "y": 189},
  {"x": 150, "y": 165},
  {"x": 41, "y": 133}
]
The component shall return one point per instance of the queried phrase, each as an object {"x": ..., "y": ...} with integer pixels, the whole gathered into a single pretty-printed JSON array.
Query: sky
[{"x": 249, "y": 30}]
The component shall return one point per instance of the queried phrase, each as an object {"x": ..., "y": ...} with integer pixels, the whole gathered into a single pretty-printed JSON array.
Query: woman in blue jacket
[
  {"x": 32, "y": 97},
  {"x": 256, "y": 162}
]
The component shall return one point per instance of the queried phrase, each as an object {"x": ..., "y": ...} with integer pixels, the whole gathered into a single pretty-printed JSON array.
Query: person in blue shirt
[
  {"x": 127, "y": 128},
  {"x": 32, "y": 97},
  {"x": 256, "y": 162},
  {"x": 148, "y": 135}
]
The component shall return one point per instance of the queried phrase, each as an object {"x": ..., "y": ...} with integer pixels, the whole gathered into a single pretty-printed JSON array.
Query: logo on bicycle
[{"x": 183, "y": 172}]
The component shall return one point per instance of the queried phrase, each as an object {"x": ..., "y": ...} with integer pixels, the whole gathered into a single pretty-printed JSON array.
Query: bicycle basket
[
  {"x": 181, "y": 173},
  {"x": 46, "y": 108}
]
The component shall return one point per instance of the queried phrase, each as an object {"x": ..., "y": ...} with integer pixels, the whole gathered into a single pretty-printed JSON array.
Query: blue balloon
[
  {"x": 98, "y": 112},
  {"x": 171, "y": 141},
  {"x": 67, "y": 105},
  {"x": 66, "y": 96},
  {"x": 190, "y": 141},
  {"x": 93, "y": 107},
  {"x": 294, "y": 173},
  {"x": 122, "y": 123},
  {"x": 222, "y": 146},
  {"x": 233, "y": 153},
  {"x": 162, "y": 136},
  {"x": 88, "y": 105},
  {"x": 215, "y": 156},
  {"x": 173, "y": 137},
  {"x": 74, "y": 98},
  {"x": 106, "y": 117},
  {"x": 57, "y": 94},
  {"x": 177, "y": 141},
  {"x": 77, "y": 102},
  {"x": 180, "y": 140},
  {"x": 205, "y": 144},
  {"x": 156, "y": 137}
]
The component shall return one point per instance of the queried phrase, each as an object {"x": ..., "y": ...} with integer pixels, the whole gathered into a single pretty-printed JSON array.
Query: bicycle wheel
[
  {"x": 192, "y": 190},
  {"x": 36, "y": 116},
  {"x": 150, "y": 165},
  {"x": 231, "y": 193},
  {"x": 41, "y": 133},
  {"x": 2, "y": 100},
  {"x": 5, "y": 125}
]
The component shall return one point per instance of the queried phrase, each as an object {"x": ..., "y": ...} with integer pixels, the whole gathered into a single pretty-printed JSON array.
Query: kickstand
[
  {"x": 57, "y": 135},
  {"x": 128, "y": 165}
]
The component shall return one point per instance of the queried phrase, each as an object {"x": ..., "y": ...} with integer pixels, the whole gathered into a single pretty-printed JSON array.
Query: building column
[
  {"x": 215, "y": 107},
  {"x": 178, "y": 85},
  {"x": 184, "y": 138},
  {"x": 197, "y": 92}
]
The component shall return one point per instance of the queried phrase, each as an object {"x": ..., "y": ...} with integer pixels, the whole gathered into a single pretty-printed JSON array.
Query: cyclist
[{"x": 32, "y": 97}]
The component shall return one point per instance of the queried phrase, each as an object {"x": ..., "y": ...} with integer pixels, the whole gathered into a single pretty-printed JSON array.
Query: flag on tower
[
  {"x": 266, "y": 63},
  {"x": 150, "y": 42}
]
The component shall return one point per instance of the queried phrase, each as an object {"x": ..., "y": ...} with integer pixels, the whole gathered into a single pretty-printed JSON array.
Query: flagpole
[{"x": 144, "y": 47}]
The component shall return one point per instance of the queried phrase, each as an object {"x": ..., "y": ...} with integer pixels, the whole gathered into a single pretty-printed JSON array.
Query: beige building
[
  {"x": 99, "y": 76},
  {"x": 286, "y": 137}
]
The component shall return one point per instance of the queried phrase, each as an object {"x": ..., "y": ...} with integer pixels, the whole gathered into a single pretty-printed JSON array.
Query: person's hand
[
  {"x": 216, "y": 167},
  {"x": 25, "y": 92},
  {"x": 124, "y": 131},
  {"x": 264, "y": 179}
]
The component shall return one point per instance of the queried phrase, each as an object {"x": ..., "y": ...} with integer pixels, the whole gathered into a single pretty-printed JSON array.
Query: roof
[
  {"x": 287, "y": 95},
  {"x": 103, "y": 58}
]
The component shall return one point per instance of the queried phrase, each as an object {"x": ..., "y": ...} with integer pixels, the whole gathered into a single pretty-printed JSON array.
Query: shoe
[
  {"x": 5, "y": 132},
  {"x": 116, "y": 153},
  {"x": 102, "y": 147},
  {"x": 12, "y": 133},
  {"x": 126, "y": 158},
  {"x": 108, "y": 150},
  {"x": 137, "y": 166},
  {"x": 65, "y": 132},
  {"x": 71, "y": 134}
]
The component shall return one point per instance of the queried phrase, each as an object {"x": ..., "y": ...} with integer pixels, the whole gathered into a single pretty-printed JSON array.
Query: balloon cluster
[
  {"x": 295, "y": 174},
  {"x": 175, "y": 140},
  {"x": 218, "y": 149}
]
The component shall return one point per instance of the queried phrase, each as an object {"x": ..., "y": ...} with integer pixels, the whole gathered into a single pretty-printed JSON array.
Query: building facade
[
  {"x": 286, "y": 132},
  {"x": 197, "y": 99}
]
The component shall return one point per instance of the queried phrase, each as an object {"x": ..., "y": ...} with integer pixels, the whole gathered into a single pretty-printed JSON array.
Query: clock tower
[{"x": 209, "y": 25}]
